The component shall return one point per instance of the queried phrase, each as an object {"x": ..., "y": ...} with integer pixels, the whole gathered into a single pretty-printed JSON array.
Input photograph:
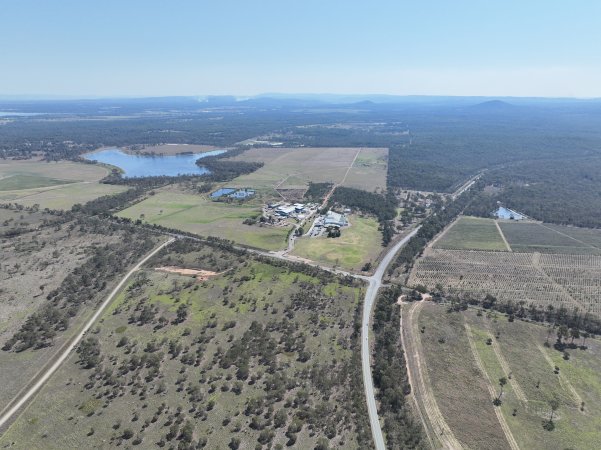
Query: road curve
[
  {"x": 63, "y": 356},
  {"x": 375, "y": 282}
]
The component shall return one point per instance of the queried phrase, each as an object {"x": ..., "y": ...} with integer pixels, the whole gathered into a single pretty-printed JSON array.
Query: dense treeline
[
  {"x": 563, "y": 191},
  {"x": 109, "y": 203},
  {"x": 381, "y": 206},
  {"x": 390, "y": 375},
  {"x": 223, "y": 168},
  {"x": 433, "y": 225},
  {"x": 447, "y": 147},
  {"x": 317, "y": 191}
]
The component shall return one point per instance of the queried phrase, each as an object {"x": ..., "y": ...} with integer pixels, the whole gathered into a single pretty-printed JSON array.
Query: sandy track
[
  {"x": 503, "y": 237},
  {"x": 436, "y": 427},
  {"x": 565, "y": 383},
  {"x": 493, "y": 393},
  {"x": 517, "y": 389}
]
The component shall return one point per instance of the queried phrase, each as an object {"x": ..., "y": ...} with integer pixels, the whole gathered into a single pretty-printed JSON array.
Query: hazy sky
[{"x": 177, "y": 47}]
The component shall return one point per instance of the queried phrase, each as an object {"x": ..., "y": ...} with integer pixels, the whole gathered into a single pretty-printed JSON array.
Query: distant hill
[{"x": 493, "y": 106}]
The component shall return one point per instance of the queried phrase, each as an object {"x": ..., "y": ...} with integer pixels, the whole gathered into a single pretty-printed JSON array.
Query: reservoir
[{"x": 152, "y": 166}]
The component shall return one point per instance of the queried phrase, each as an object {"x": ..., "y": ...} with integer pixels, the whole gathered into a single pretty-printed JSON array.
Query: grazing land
[
  {"x": 358, "y": 244},
  {"x": 467, "y": 353},
  {"x": 472, "y": 233},
  {"x": 294, "y": 168},
  {"x": 41, "y": 252},
  {"x": 197, "y": 214},
  {"x": 259, "y": 354},
  {"x": 54, "y": 185}
]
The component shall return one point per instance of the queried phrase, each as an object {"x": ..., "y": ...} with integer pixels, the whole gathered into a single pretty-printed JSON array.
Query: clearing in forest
[{"x": 465, "y": 381}]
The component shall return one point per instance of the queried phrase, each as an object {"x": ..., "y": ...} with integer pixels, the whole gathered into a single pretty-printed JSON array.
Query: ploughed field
[
  {"x": 549, "y": 265},
  {"x": 294, "y": 168},
  {"x": 465, "y": 354}
]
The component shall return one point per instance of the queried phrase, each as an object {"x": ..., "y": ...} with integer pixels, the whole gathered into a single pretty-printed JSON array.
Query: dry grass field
[
  {"x": 36, "y": 259},
  {"x": 294, "y": 168},
  {"x": 262, "y": 355},
  {"x": 54, "y": 185},
  {"x": 464, "y": 371}
]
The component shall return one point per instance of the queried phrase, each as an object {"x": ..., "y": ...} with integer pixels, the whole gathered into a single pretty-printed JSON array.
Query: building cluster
[
  {"x": 288, "y": 210},
  {"x": 508, "y": 214},
  {"x": 239, "y": 194}
]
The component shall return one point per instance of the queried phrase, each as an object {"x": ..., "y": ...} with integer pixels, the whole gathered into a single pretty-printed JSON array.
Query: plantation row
[{"x": 540, "y": 279}]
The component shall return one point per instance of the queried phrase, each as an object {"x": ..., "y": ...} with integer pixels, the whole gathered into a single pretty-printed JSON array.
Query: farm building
[
  {"x": 285, "y": 210},
  {"x": 242, "y": 193},
  {"x": 221, "y": 192},
  {"x": 508, "y": 214},
  {"x": 334, "y": 219},
  {"x": 239, "y": 194}
]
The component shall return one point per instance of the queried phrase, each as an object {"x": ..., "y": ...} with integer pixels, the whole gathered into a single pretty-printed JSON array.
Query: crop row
[{"x": 571, "y": 280}]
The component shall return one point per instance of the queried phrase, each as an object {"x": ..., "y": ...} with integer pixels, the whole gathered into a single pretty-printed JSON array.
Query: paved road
[
  {"x": 66, "y": 352},
  {"x": 375, "y": 282}
]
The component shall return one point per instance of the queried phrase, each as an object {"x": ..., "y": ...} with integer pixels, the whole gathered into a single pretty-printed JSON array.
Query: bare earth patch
[{"x": 199, "y": 274}]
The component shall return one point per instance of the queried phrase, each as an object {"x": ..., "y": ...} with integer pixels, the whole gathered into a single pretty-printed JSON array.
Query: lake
[{"x": 152, "y": 166}]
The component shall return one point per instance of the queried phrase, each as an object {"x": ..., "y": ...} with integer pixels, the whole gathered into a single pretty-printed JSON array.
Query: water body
[
  {"x": 152, "y": 166},
  {"x": 17, "y": 114}
]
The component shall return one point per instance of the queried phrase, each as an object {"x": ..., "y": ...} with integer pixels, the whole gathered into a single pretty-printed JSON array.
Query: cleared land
[
  {"x": 542, "y": 279},
  {"x": 536, "y": 237},
  {"x": 462, "y": 387},
  {"x": 199, "y": 215},
  {"x": 472, "y": 233},
  {"x": 263, "y": 354},
  {"x": 358, "y": 244},
  {"x": 55, "y": 185},
  {"x": 294, "y": 168}
]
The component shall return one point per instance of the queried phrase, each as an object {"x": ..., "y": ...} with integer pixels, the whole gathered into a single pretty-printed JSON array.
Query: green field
[
  {"x": 463, "y": 395},
  {"x": 358, "y": 244},
  {"x": 264, "y": 354},
  {"x": 472, "y": 233},
  {"x": 294, "y": 168},
  {"x": 25, "y": 181},
  {"x": 54, "y": 185},
  {"x": 543, "y": 238},
  {"x": 196, "y": 214}
]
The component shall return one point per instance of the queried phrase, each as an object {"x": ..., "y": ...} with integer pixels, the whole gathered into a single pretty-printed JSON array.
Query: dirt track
[
  {"x": 438, "y": 432},
  {"x": 508, "y": 434}
]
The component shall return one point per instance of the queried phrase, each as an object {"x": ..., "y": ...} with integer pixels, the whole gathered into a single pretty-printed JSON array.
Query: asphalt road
[
  {"x": 375, "y": 282},
  {"x": 6, "y": 416}
]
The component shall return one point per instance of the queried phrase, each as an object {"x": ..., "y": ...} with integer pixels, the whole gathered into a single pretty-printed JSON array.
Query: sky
[{"x": 100, "y": 48}]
